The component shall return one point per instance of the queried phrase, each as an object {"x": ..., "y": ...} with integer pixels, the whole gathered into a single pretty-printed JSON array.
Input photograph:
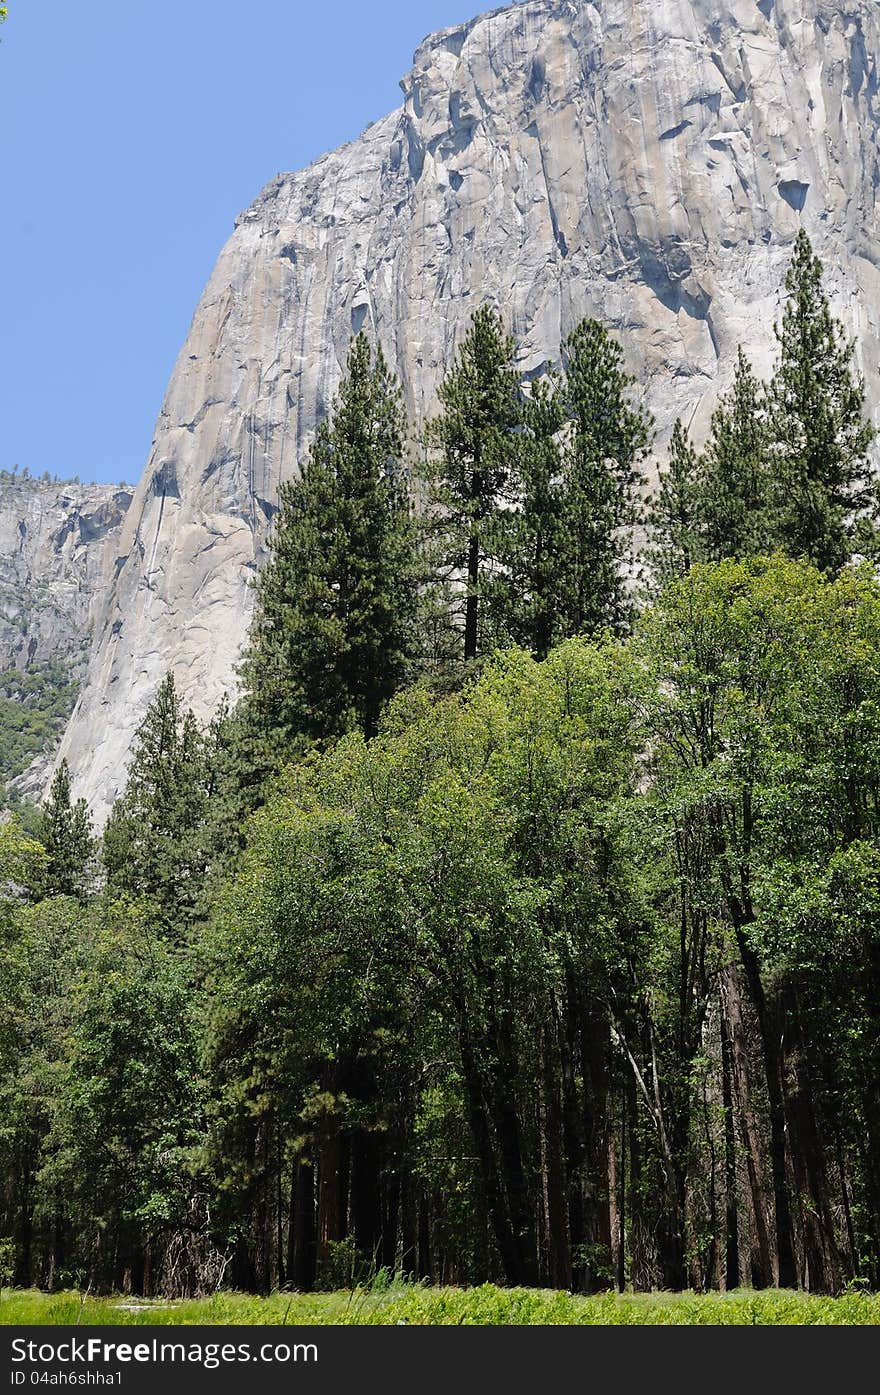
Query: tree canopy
[{"x": 518, "y": 923}]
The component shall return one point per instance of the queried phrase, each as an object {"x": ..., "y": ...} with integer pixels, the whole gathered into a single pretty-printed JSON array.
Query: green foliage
[
  {"x": 473, "y": 440},
  {"x": 736, "y": 500},
  {"x": 99, "y": 1099},
  {"x": 333, "y": 635},
  {"x": 607, "y": 439},
  {"x": 676, "y": 515},
  {"x": 413, "y": 898},
  {"x": 65, "y": 831},
  {"x": 153, "y": 844},
  {"x": 127, "y": 1113},
  {"x": 24, "y": 476},
  {"x": 40, "y": 949},
  {"x": 615, "y": 894},
  {"x": 34, "y": 705},
  {"x": 786, "y": 464},
  {"x": 23, "y": 810},
  {"x": 561, "y": 545},
  {"x": 486, "y": 1306},
  {"x": 763, "y": 785},
  {"x": 819, "y": 432},
  {"x": 22, "y": 858},
  {"x": 527, "y": 539},
  {"x": 566, "y": 975}
]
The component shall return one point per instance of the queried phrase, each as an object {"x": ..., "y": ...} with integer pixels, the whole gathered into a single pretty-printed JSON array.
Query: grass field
[{"x": 486, "y": 1306}]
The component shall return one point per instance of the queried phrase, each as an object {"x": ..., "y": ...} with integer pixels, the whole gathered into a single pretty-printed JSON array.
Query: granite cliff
[
  {"x": 57, "y": 555},
  {"x": 648, "y": 162}
]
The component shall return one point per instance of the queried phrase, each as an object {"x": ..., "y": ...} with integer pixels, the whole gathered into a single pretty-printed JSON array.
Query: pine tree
[
  {"x": 333, "y": 632},
  {"x": 736, "y": 504},
  {"x": 474, "y": 438},
  {"x": 820, "y": 437},
  {"x": 234, "y": 775},
  {"x": 526, "y": 540},
  {"x": 65, "y": 831},
  {"x": 675, "y": 516},
  {"x": 607, "y": 439},
  {"x": 153, "y": 843}
]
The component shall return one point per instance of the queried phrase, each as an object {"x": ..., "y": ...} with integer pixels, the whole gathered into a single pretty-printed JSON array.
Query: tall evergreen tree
[
  {"x": 675, "y": 515},
  {"x": 608, "y": 437},
  {"x": 820, "y": 436},
  {"x": 65, "y": 830},
  {"x": 153, "y": 843},
  {"x": 474, "y": 438},
  {"x": 736, "y": 504},
  {"x": 333, "y": 632},
  {"x": 227, "y": 784},
  {"x": 527, "y": 537}
]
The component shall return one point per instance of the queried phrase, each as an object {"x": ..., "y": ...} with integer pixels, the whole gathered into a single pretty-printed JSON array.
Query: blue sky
[{"x": 132, "y": 135}]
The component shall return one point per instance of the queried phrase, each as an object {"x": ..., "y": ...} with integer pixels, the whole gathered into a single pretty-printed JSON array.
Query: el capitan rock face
[{"x": 648, "y": 162}]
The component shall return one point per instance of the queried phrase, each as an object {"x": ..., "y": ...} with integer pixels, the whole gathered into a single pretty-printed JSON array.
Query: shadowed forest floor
[{"x": 486, "y": 1306}]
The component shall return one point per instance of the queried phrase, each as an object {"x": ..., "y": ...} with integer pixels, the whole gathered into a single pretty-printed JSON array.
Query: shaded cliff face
[
  {"x": 57, "y": 551},
  {"x": 648, "y": 162},
  {"x": 57, "y": 556}
]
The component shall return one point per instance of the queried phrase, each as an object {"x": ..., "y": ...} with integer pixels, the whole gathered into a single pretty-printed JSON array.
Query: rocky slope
[
  {"x": 57, "y": 556},
  {"x": 645, "y": 161}
]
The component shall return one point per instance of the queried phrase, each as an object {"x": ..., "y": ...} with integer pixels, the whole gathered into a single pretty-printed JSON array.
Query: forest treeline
[{"x": 521, "y": 920}]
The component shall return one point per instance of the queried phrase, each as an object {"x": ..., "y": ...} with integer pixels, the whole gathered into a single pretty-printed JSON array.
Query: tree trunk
[
  {"x": 470, "y": 620},
  {"x": 366, "y": 1194},
  {"x": 731, "y": 1210},
  {"x": 772, "y": 1029},
  {"x": 390, "y": 1223},
  {"x": 496, "y": 1201},
  {"x": 329, "y": 1199},
  {"x": 621, "y": 1196},
  {"x": 574, "y": 1135},
  {"x": 519, "y": 1200},
  {"x": 761, "y": 1260},
  {"x": 426, "y": 1264},
  {"x": 820, "y": 1256},
  {"x": 594, "y": 1036},
  {"x": 409, "y": 1255},
  {"x": 302, "y": 1252},
  {"x": 23, "y": 1274},
  {"x": 559, "y": 1253},
  {"x": 279, "y": 1220},
  {"x": 869, "y": 1149}
]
